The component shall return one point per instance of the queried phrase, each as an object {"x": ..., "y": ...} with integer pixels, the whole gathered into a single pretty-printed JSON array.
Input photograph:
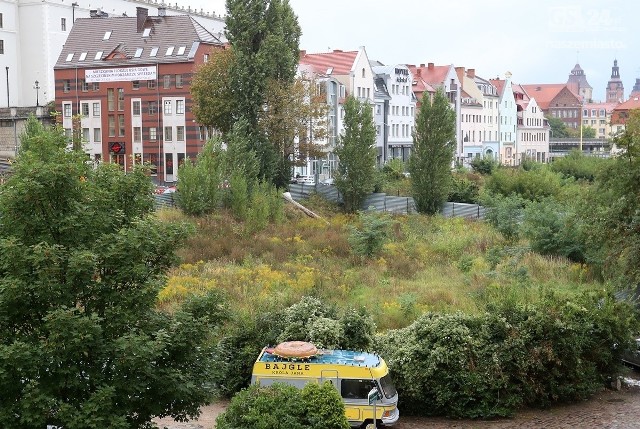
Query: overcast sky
[{"x": 537, "y": 41}]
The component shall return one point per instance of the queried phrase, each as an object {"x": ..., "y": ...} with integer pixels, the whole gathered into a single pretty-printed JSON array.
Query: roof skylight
[
  {"x": 138, "y": 53},
  {"x": 181, "y": 50},
  {"x": 169, "y": 51},
  {"x": 146, "y": 32},
  {"x": 70, "y": 56},
  {"x": 154, "y": 52},
  {"x": 83, "y": 56},
  {"x": 98, "y": 55},
  {"x": 107, "y": 35}
]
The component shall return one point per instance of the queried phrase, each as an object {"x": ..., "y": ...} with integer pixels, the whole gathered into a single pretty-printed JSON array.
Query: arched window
[{"x": 362, "y": 72}]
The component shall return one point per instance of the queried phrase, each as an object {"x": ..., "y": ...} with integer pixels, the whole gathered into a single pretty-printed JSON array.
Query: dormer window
[
  {"x": 146, "y": 32},
  {"x": 181, "y": 50},
  {"x": 83, "y": 56},
  {"x": 154, "y": 52},
  {"x": 107, "y": 35},
  {"x": 98, "y": 55},
  {"x": 169, "y": 51},
  {"x": 138, "y": 53},
  {"x": 70, "y": 57}
]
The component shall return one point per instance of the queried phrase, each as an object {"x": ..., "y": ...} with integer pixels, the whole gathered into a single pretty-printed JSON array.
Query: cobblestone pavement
[{"x": 609, "y": 409}]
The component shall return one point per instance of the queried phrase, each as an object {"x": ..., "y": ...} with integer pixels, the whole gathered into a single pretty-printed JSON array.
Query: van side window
[{"x": 356, "y": 388}]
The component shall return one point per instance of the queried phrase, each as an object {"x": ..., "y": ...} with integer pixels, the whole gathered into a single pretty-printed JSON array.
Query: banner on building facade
[{"x": 120, "y": 74}]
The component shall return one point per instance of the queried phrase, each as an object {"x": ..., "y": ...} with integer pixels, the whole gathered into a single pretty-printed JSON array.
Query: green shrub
[
  {"x": 505, "y": 214},
  {"x": 464, "y": 190},
  {"x": 532, "y": 185},
  {"x": 367, "y": 241},
  {"x": 484, "y": 166},
  {"x": 578, "y": 166},
  {"x": 394, "y": 169},
  {"x": 357, "y": 329},
  {"x": 285, "y": 407},
  {"x": 490, "y": 364}
]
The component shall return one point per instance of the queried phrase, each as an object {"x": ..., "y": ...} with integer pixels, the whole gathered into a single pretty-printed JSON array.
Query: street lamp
[{"x": 37, "y": 88}]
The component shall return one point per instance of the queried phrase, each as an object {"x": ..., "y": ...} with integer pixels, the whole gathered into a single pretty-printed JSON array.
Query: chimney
[
  {"x": 162, "y": 11},
  {"x": 471, "y": 73},
  {"x": 93, "y": 13},
  {"x": 538, "y": 88},
  {"x": 430, "y": 66},
  {"x": 422, "y": 66},
  {"x": 303, "y": 52},
  {"x": 337, "y": 50},
  {"x": 141, "y": 14},
  {"x": 419, "y": 72},
  {"x": 460, "y": 73}
]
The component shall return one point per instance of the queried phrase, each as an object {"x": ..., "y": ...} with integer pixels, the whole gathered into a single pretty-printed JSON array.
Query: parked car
[{"x": 632, "y": 357}]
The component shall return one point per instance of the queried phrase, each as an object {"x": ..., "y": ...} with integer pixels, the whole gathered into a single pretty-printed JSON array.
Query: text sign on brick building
[{"x": 120, "y": 74}]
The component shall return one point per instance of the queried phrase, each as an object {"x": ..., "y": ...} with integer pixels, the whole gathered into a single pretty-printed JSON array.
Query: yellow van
[{"x": 362, "y": 379}]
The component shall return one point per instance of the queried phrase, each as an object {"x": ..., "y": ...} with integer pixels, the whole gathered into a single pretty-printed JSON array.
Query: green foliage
[
  {"x": 368, "y": 239},
  {"x": 81, "y": 263},
  {"x": 588, "y": 132},
  {"x": 578, "y": 166},
  {"x": 283, "y": 406},
  {"x": 553, "y": 228},
  {"x": 533, "y": 185},
  {"x": 200, "y": 189},
  {"x": 299, "y": 317},
  {"x": 505, "y": 214},
  {"x": 484, "y": 165},
  {"x": 464, "y": 189},
  {"x": 354, "y": 177},
  {"x": 558, "y": 128},
  {"x": 394, "y": 169},
  {"x": 433, "y": 149},
  {"x": 512, "y": 355},
  {"x": 357, "y": 329}
]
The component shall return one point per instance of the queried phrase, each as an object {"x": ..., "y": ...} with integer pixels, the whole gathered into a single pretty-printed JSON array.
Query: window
[
  {"x": 85, "y": 134},
  {"x": 112, "y": 126},
  {"x": 66, "y": 85},
  {"x": 205, "y": 58},
  {"x": 1, "y": 21},
  {"x": 97, "y": 135},
  {"x": 136, "y": 107},
  {"x": 110, "y": 99},
  {"x": 179, "y": 107},
  {"x": 63, "y": 24},
  {"x": 96, "y": 86},
  {"x": 181, "y": 50},
  {"x": 154, "y": 52},
  {"x": 69, "y": 57},
  {"x": 168, "y": 162},
  {"x": 167, "y": 81},
  {"x": 178, "y": 81},
  {"x": 167, "y": 134},
  {"x": 107, "y": 35},
  {"x": 83, "y": 56},
  {"x": 120, "y": 99},
  {"x": 85, "y": 109},
  {"x": 168, "y": 106},
  {"x": 138, "y": 53},
  {"x": 151, "y": 84},
  {"x": 121, "y": 125},
  {"x": 153, "y": 133},
  {"x": 356, "y": 389},
  {"x": 137, "y": 134},
  {"x": 96, "y": 109},
  {"x": 84, "y": 85},
  {"x": 146, "y": 32},
  {"x": 66, "y": 110},
  {"x": 169, "y": 51},
  {"x": 153, "y": 107},
  {"x": 1, "y": 46},
  {"x": 135, "y": 84},
  {"x": 98, "y": 55},
  {"x": 180, "y": 133}
]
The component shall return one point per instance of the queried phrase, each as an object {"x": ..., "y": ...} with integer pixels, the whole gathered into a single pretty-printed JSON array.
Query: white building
[
  {"x": 32, "y": 35},
  {"x": 508, "y": 119},
  {"x": 395, "y": 110}
]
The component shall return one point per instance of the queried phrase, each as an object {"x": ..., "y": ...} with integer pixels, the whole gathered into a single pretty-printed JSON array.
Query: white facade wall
[
  {"x": 174, "y": 120},
  {"x": 508, "y": 119},
  {"x": 533, "y": 135},
  {"x": 92, "y": 122},
  {"x": 34, "y": 34}
]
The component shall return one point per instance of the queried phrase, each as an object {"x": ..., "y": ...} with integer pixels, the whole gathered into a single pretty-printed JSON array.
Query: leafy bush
[
  {"x": 553, "y": 229},
  {"x": 368, "y": 240},
  {"x": 285, "y": 407},
  {"x": 464, "y": 190},
  {"x": 394, "y": 169},
  {"x": 578, "y": 166},
  {"x": 490, "y": 364},
  {"x": 533, "y": 185},
  {"x": 505, "y": 214},
  {"x": 484, "y": 166}
]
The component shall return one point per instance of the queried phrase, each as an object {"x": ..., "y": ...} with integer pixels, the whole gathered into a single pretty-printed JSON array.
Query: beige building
[{"x": 598, "y": 117}]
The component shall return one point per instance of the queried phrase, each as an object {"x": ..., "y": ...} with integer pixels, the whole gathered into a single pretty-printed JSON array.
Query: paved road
[{"x": 608, "y": 409}]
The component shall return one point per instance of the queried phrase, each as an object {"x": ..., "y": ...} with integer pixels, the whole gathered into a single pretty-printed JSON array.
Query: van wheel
[{"x": 369, "y": 425}]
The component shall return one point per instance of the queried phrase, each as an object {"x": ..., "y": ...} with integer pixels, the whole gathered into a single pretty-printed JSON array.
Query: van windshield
[{"x": 387, "y": 387}]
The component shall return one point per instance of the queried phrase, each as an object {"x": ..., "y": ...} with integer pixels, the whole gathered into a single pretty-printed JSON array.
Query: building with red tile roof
[
  {"x": 129, "y": 78},
  {"x": 598, "y": 117},
  {"x": 621, "y": 112},
  {"x": 557, "y": 100}
]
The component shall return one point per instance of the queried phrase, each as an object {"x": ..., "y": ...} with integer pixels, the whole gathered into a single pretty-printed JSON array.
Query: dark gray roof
[
  {"x": 380, "y": 90},
  {"x": 88, "y": 37}
]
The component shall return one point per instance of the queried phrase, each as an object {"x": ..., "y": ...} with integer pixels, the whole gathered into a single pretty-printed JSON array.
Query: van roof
[{"x": 328, "y": 357}]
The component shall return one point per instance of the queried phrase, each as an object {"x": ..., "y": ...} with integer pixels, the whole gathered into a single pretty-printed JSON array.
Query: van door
[{"x": 330, "y": 376}]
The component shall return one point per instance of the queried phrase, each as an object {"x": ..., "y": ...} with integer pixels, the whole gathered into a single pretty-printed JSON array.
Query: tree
[
  {"x": 81, "y": 263},
  {"x": 213, "y": 98},
  {"x": 588, "y": 132},
  {"x": 356, "y": 152},
  {"x": 558, "y": 127},
  {"x": 434, "y": 143}
]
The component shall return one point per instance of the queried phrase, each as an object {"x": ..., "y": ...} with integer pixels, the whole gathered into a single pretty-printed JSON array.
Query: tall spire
[
  {"x": 615, "y": 70},
  {"x": 615, "y": 89}
]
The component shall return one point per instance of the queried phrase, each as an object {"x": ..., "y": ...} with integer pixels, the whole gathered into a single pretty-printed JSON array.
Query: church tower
[
  {"x": 615, "y": 89},
  {"x": 577, "y": 82}
]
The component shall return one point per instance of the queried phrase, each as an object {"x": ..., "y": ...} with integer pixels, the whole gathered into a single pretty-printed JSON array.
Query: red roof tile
[
  {"x": 630, "y": 104},
  {"x": 544, "y": 93},
  {"x": 431, "y": 74},
  {"x": 340, "y": 61}
]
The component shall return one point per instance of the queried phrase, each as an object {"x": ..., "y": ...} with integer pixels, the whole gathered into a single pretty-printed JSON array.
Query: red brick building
[{"x": 129, "y": 78}]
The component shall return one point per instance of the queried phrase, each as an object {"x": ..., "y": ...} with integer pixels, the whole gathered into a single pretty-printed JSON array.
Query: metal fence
[
  {"x": 164, "y": 201},
  {"x": 387, "y": 203}
]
